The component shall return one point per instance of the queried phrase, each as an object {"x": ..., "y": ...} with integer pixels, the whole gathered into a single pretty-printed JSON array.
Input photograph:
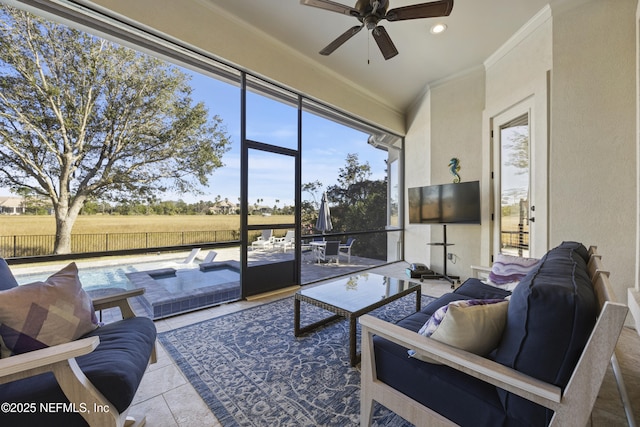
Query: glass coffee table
[{"x": 351, "y": 297}]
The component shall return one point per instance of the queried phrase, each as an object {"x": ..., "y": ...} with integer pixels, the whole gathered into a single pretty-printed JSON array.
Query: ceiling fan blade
[
  {"x": 384, "y": 42},
  {"x": 331, "y": 6},
  {"x": 341, "y": 40},
  {"x": 424, "y": 10}
]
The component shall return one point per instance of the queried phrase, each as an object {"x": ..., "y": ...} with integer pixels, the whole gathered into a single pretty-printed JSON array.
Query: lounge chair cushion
[
  {"x": 115, "y": 367},
  {"x": 42, "y": 314}
]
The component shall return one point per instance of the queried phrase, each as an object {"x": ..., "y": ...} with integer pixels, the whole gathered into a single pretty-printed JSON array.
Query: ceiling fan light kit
[{"x": 371, "y": 12}]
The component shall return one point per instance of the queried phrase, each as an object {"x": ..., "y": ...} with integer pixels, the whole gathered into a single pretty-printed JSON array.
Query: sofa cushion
[
  {"x": 550, "y": 317},
  {"x": 442, "y": 301},
  {"x": 438, "y": 386},
  {"x": 42, "y": 314},
  {"x": 115, "y": 367},
  {"x": 474, "y": 288},
  {"x": 7, "y": 281}
]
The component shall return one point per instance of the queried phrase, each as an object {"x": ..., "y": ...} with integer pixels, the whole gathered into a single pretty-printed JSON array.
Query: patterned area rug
[{"x": 251, "y": 371}]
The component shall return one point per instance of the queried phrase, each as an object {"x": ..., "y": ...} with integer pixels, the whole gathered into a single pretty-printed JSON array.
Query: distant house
[
  {"x": 11, "y": 205},
  {"x": 223, "y": 207}
]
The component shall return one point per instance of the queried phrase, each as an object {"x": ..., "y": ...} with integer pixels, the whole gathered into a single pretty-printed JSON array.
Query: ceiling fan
[{"x": 370, "y": 12}]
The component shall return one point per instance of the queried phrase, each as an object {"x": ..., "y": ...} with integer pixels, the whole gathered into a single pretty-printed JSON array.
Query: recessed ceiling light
[{"x": 438, "y": 28}]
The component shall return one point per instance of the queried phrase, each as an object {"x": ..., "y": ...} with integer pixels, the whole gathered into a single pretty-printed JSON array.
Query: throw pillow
[
  {"x": 475, "y": 326},
  {"x": 43, "y": 314},
  {"x": 507, "y": 270}
]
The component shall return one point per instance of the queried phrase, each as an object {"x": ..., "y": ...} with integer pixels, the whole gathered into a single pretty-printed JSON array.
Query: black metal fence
[{"x": 39, "y": 245}]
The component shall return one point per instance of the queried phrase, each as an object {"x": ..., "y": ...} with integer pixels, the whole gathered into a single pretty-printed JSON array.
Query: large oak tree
[{"x": 83, "y": 118}]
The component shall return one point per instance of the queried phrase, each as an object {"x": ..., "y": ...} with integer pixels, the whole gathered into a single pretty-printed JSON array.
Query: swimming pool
[
  {"x": 92, "y": 278},
  {"x": 168, "y": 291},
  {"x": 193, "y": 278}
]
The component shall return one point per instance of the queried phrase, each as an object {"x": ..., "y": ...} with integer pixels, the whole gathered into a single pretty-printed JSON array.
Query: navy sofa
[
  {"x": 550, "y": 317},
  {"x": 115, "y": 368}
]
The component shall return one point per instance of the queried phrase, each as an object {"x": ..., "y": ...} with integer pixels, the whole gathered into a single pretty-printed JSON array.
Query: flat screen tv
[{"x": 445, "y": 204}]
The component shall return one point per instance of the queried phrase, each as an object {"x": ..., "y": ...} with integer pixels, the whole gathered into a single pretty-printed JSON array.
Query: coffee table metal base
[{"x": 351, "y": 316}]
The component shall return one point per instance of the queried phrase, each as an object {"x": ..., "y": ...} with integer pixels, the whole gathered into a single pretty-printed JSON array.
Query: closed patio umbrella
[{"x": 323, "y": 223}]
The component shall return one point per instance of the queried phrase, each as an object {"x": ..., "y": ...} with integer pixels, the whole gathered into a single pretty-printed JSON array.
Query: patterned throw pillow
[
  {"x": 43, "y": 314},
  {"x": 508, "y": 269},
  {"x": 475, "y": 326}
]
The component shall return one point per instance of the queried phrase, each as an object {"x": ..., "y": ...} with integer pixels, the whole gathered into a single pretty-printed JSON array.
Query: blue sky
[{"x": 325, "y": 146}]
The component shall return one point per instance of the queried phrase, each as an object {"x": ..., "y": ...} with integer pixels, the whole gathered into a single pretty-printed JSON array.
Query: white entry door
[{"x": 519, "y": 189}]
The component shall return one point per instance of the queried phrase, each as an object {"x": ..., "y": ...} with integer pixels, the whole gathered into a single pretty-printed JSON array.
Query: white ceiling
[{"x": 476, "y": 29}]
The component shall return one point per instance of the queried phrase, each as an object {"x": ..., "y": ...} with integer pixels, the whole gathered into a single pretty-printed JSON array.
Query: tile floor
[{"x": 168, "y": 400}]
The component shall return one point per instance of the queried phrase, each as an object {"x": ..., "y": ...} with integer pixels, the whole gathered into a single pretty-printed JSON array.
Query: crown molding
[{"x": 525, "y": 31}]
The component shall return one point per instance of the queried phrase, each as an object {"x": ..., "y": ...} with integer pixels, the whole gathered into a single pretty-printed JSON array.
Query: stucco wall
[
  {"x": 445, "y": 123},
  {"x": 459, "y": 112},
  {"x": 518, "y": 74},
  {"x": 417, "y": 156},
  {"x": 456, "y": 131},
  {"x": 592, "y": 180}
]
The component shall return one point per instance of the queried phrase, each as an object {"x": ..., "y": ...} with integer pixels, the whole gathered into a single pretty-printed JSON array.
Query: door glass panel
[
  {"x": 272, "y": 115},
  {"x": 394, "y": 194},
  {"x": 514, "y": 185},
  {"x": 271, "y": 190},
  {"x": 271, "y": 240}
]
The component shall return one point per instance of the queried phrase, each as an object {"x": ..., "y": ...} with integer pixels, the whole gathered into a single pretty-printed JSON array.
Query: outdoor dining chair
[
  {"x": 330, "y": 250},
  {"x": 345, "y": 249}
]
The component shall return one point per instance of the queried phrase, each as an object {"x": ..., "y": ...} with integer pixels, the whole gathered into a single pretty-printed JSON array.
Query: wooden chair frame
[
  {"x": 572, "y": 406},
  {"x": 60, "y": 360}
]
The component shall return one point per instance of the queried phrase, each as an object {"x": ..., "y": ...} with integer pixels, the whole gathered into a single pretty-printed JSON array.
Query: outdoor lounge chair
[
  {"x": 208, "y": 263},
  {"x": 286, "y": 242},
  {"x": 96, "y": 374},
  {"x": 346, "y": 248},
  {"x": 263, "y": 242},
  {"x": 192, "y": 256},
  {"x": 210, "y": 257},
  {"x": 330, "y": 250}
]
